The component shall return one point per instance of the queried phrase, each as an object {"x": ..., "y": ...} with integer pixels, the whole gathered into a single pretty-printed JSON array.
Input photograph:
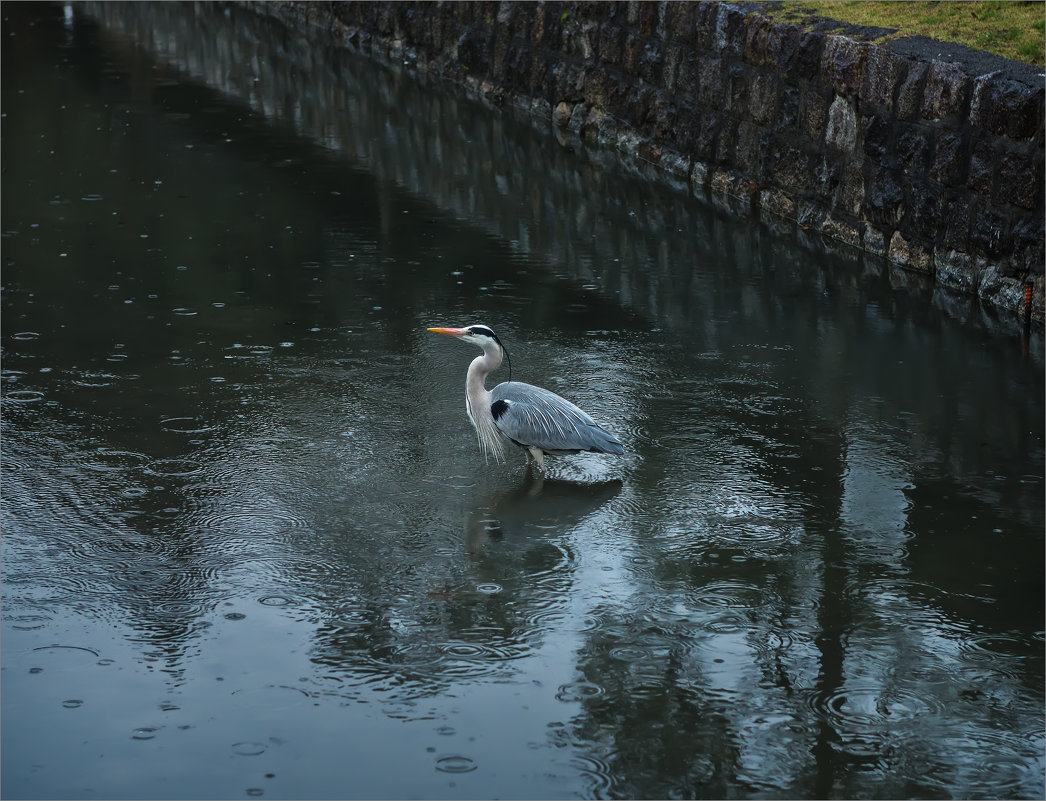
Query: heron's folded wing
[{"x": 535, "y": 417}]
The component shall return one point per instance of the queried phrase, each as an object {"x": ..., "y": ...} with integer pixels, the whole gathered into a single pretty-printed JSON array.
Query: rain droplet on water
[
  {"x": 248, "y": 748},
  {"x": 455, "y": 764}
]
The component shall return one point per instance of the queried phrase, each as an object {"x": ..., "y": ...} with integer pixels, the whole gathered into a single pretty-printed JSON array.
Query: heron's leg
[{"x": 538, "y": 457}]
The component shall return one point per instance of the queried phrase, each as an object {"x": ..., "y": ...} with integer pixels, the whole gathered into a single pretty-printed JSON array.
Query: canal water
[{"x": 252, "y": 548}]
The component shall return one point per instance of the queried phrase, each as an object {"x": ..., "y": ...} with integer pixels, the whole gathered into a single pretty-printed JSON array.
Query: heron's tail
[{"x": 605, "y": 442}]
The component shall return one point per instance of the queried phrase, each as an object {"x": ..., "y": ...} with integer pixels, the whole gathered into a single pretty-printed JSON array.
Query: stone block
[
  {"x": 751, "y": 145},
  {"x": 1020, "y": 179},
  {"x": 949, "y": 162},
  {"x": 540, "y": 109},
  {"x": 631, "y": 53},
  {"x": 841, "y": 130},
  {"x": 958, "y": 270},
  {"x": 762, "y": 98},
  {"x": 593, "y": 123},
  {"x": 505, "y": 20},
  {"x": 791, "y": 169},
  {"x": 575, "y": 82},
  {"x": 787, "y": 108},
  {"x": 811, "y": 216},
  {"x": 913, "y": 149},
  {"x": 1028, "y": 254},
  {"x": 726, "y": 143},
  {"x": 874, "y": 241},
  {"x": 877, "y": 136},
  {"x": 979, "y": 174},
  {"x": 649, "y": 18},
  {"x": 561, "y": 114},
  {"x": 850, "y": 194},
  {"x": 674, "y": 55},
  {"x": 730, "y": 30},
  {"x": 814, "y": 112},
  {"x": 650, "y": 63},
  {"x": 1038, "y": 300},
  {"x": 578, "y": 115},
  {"x": 688, "y": 75},
  {"x": 955, "y": 221},
  {"x": 473, "y": 53},
  {"x": 649, "y": 152},
  {"x": 688, "y": 114},
  {"x": 807, "y": 62},
  {"x": 675, "y": 164},
  {"x": 637, "y": 110},
  {"x": 826, "y": 175},
  {"x": 990, "y": 232},
  {"x": 618, "y": 94},
  {"x": 518, "y": 65},
  {"x": 607, "y": 131},
  {"x": 782, "y": 46},
  {"x": 705, "y": 137},
  {"x": 909, "y": 96},
  {"x": 627, "y": 141},
  {"x": 539, "y": 71},
  {"x": 842, "y": 64},
  {"x": 596, "y": 87},
  {"x": 537, "y": 25},
  {"x": 611, "y": 44},
  {"x": 884, "y": 201},
  {"x": 841, "y": 230},
  {"x": 883, "y": 71},
  {"x": 1006, "y": 107},
  {"x": 945, "y": 92},
  {"x": 924, "y": 212},
  {"x": 705, "y": 21},
  {"x": 735, "y": 89},
  {"x": 699, "y": 173},
  {"x": 911, "y": 255},
  {"x": 777, "y": 203},
  {"x": 663, "y": 118},
  {"x": 733, "y": 192},
  {"x": 1001, "y": 290},
  {"x": 679, "y": 21},
  {"x": 721, "y": 183},
  {"x": 710, "y": 89},
  {"x": 586, "y": 41},
  {"x": 756, "y": 36}
]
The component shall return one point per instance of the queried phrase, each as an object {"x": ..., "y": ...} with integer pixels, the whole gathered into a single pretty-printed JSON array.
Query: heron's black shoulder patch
[{"x": 498, "y": 408}]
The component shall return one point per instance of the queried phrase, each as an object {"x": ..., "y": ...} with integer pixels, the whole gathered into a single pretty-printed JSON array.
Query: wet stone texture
[{"x": 928, "y": 153}]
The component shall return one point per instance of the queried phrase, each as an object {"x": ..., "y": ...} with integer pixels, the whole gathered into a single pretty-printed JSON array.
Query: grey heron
[{"x": 538, "y": 421}]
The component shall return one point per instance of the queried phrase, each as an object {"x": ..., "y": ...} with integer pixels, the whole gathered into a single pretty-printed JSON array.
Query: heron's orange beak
[{"x": 454, "y": 332}]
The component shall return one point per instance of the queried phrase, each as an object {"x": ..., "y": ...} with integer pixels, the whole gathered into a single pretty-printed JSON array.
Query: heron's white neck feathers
[{"x": 477, "y": 402}]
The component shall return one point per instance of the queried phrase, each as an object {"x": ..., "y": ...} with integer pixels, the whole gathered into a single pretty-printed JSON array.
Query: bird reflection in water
[{"x": 536, "y": 501}]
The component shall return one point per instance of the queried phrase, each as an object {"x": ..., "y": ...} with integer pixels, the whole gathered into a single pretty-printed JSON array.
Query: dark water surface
[{"x": 251, "y": 547}]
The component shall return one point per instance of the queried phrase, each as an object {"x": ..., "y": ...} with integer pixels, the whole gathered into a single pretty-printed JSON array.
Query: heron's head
[
  {"x": 479, "y": 335},
  {"x": 482, "y": 336}
]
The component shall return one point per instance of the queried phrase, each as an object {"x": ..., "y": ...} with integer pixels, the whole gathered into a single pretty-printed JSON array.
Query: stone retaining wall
[{"x": 936, "y": 164}]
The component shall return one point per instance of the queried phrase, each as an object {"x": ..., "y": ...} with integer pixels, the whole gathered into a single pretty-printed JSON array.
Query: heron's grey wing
[{"x": 534, "y": 417}]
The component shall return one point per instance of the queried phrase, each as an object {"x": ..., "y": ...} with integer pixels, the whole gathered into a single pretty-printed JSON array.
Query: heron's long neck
[{"x": 477, "y": 399}]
